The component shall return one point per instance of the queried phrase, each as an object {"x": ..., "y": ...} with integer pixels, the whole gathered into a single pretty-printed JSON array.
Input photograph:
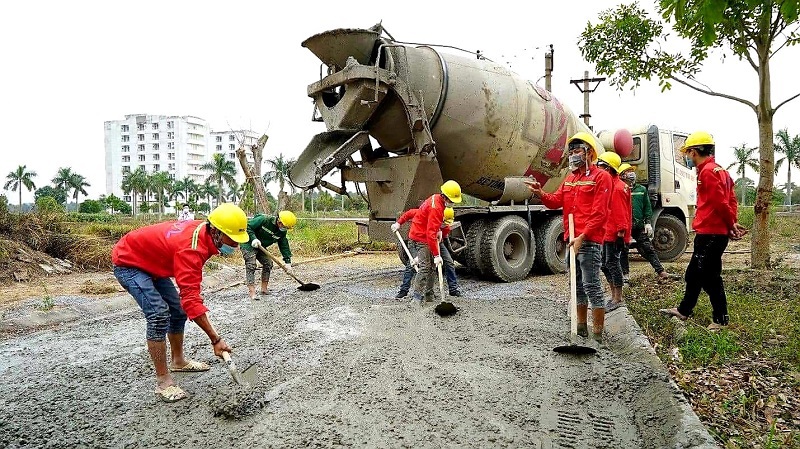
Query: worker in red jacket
[
  {"x": 585, "y": 193},
  {"x": 715, "y": 222},
  {"x": 144, "y": 261},
  {"x": 618, "y": 228},
  {"x": 449, "y": 265},
  {"x": 424, "y": 238}
]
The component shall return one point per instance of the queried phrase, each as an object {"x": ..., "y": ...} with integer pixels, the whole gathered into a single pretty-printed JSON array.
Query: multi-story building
[
  {"x": 227, "y": 142},
  {"x": 178, "y": 145}
]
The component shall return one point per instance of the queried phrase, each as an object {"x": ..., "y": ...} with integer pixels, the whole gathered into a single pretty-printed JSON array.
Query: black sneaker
[
  {"x": 456, "y": 293},
  {"x": 401, "y": 294}
]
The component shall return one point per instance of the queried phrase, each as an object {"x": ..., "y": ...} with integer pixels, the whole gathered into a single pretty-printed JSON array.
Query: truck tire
[
  {"x": 506, "y": 248},
  {"x": 472, "y": 254},
  {"x": 551, "y": 249},
  {"x": 670, "y": 237}
]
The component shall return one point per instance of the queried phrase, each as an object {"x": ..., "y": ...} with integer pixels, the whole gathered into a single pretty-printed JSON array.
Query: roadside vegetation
[{"x": 743, "y": 382}]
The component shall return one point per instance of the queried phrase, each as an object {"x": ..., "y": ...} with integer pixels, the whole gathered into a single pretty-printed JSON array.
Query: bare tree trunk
[
  {"x": 789, "y": 187},
  {"x": 759, "y": 254},
  {"x": 253, "y": 175}
]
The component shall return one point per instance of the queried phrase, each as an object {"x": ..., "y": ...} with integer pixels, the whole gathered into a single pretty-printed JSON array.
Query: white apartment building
[
  {"x": 227, "y": 142},
  {"x": 178, "y": 145}
]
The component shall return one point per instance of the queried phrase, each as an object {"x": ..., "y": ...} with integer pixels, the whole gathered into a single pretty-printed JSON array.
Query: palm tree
[
  {"x": 135, "y": 183},
  {"x": 222, "y": 171},
  {"x": 279, "y": 173},
  {"x": 791, "y": 148},
  {"x": 208, "y": 190},
  {"x": 186, "y": 188},
  {"x": 62, "y": 178},
  {"x": 77, "y": 183},
  {"x": 744, "y": 158},
  {"x": 160, "y": 182},
  {"x": 19, "y": 178},
  {"x": 235, "y": 192}
]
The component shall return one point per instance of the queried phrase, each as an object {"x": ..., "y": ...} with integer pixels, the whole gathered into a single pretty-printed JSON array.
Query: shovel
[
  {"x": 304, "y": 287},
  {"x": 408, "y": 253},
  {"x": 444, "y": 308},
  {"x": 246, "y": 378},
  {"x": 573, "y": 348}
]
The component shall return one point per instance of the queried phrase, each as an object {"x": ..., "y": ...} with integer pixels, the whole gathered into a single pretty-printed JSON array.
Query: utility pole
[
  {"x": 548, "y": 69},
  {"x": 586, "y": 91}
]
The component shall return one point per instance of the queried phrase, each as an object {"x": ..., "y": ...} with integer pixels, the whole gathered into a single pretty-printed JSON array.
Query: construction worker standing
[
  {"x": 618, "y": 228},
  {"x": 424, "y": 238},
  {"x": 263, "y": 231},
  {"x": 641, "y": 227},
  {"x": 715, "y": 222},
  {"x": 585, "y": 193},
  {"x": 449, "y": 265},
  {"x": 144, "y": 261}
]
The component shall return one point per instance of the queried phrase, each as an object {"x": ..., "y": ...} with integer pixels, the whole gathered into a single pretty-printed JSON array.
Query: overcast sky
[{"x": 70, "y": 66}]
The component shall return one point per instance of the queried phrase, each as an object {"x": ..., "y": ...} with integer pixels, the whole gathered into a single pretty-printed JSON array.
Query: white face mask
[{"x": 576, "y": 161}]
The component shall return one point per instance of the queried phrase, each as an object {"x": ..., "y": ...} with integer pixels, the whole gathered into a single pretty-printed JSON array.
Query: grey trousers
[
  {"x": 250, "y": 258},
  {"x": 425, "y": 280}
]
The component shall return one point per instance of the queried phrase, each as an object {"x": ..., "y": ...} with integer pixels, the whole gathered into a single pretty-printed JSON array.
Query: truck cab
[{"x": 671, "y": 185}]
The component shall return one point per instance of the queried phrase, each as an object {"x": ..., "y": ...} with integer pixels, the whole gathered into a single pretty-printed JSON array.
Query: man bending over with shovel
[
  {"x": 424, "y": 238},
  {"x": 144, "y": 261},
  {"x": 449, "y": 265},
  {"x": 263, "y": 231},
  {"x": 585, "y": 193}
]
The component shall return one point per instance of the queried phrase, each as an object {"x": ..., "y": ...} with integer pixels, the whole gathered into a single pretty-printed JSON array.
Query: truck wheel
[
  {"x": 506, "y": 246},
  {"x": 551, "y": 249},
  {"x": 670, "y": 237},
  {"x": 472, "y": 254}
]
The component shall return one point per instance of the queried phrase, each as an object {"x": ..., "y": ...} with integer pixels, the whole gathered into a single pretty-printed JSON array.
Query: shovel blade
[
  {"x": 310, "y": 287},
  {"x": 250, "y": 375},
  {"x": 574, "y": 350}
]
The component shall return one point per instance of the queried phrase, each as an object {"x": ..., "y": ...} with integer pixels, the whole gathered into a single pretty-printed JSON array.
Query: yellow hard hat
[
  {"x": 452, "y": 191},
  {"x": 231, "y": 220},
  {"x": 449, "y": 216},
  {"x": 287, "y": 218},
  {"x": 696, "y": 139},
  {"x": 583, "y": 136},
  {"x": 611, "y": 158},
  {"x": 625, "y": 167}
]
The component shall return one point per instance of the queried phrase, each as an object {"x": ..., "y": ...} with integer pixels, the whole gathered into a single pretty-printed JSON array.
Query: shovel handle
[
  {"x": 441, "y": 281},
  {"x": 279, "y": 263},
  {"x": 226, "y": 356},
  {"x": 405, "y": 248},
  {"x": 573, "y": 286}
]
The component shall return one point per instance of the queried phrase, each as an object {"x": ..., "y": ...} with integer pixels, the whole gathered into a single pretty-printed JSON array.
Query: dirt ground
[{"x": 345, "y": 365}]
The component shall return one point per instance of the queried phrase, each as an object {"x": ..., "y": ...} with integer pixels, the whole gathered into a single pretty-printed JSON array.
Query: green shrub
[
  {"x": 90, "y": 207},
  {"x": 48, "y": 205}
]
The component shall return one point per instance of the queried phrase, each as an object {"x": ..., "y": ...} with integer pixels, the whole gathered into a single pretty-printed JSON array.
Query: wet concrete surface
[{"x": 347, "y": 365}]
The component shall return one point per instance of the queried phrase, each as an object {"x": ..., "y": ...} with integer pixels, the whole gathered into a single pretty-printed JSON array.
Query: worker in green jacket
[
  {"x": 642, "y": 229},
  {"x": 264, "y": 231}
]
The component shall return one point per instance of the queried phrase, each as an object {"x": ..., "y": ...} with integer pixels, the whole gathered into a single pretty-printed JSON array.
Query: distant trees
[
  {"x": 791, "y": 148},
  {"x": 19, "y": 178},
  {"x": 222, "y": 171},
  {"x": 279, "y": 168}
]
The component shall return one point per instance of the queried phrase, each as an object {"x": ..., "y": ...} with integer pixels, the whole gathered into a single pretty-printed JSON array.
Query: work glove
[
  {"x": 415, "y": 261},
  {"x": 648, "y": 229},
  {"x": 437, "y": 261},
  {"x": 395, "y": 227},
  {"x": 256, "y": 243},
  {"x": 619, "y": 244},
  {"x": 289, "y": 268}
]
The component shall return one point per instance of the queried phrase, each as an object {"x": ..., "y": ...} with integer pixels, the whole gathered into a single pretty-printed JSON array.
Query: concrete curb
[{"x": 625, "y": 337}]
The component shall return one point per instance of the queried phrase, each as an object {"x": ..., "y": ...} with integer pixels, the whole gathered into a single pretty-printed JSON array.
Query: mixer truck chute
[{"x": 438, "y": 116}]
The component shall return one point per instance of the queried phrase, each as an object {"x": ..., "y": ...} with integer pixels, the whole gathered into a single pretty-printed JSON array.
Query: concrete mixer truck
[{"x": 403, "y": 118}]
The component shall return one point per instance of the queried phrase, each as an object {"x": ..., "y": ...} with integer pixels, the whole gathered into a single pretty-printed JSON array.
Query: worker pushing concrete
[
  {"x": 585, "y": 193},
  {"x": 424, "y": 238},
  {"x": 449, "y": 265},
  {"x": 618, "y": 228},
  {"x": 144, "y": 261},
  {"x": 641, "y": 227},
  {"x": 263, "y": 231}
]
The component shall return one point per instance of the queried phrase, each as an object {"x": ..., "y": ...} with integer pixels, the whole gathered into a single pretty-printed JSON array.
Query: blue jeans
[
  {"x": 449, "y": 271},
  {"x": 158, "y": 298},
  {"x": 587, "y": 270},
  {"x": 612, "y": 264}
]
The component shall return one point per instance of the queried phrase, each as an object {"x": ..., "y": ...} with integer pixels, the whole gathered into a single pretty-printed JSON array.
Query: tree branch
[
  {"x": 784, "y": 42},
  {"x": 716, "y": 94},
  {"x": 785, "y": 101}
]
